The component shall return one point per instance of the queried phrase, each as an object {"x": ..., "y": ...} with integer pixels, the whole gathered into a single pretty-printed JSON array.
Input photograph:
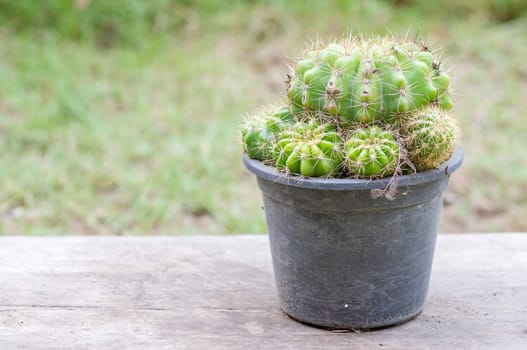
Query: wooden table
[{"x": 217, "y": 292}]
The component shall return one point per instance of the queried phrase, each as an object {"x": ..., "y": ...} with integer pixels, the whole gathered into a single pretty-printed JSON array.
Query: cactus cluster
[{"x": 358, "y": 107}]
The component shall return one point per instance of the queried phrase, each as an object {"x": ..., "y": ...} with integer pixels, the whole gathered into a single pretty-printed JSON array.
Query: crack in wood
[
  {"x": 14, "y": 307},
  {"x": 77, "y": 307}
]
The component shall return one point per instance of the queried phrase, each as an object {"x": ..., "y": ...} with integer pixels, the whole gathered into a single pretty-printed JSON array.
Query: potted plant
[{"x": 352, "y": 167}]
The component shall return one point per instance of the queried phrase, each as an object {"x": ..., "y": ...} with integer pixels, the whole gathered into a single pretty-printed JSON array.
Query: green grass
[{"x": 127, "y": 123}]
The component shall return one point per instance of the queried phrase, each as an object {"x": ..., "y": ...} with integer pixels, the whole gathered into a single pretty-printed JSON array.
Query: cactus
[
  {"x": 309, "y": 149},
  {"x": 430, "y": 137},
  {"x": 364, "y": 80},
  {"x": 363, "y": 107},
  {"x": 259, "y": 132},
  {"x": 371, "y": 152}
]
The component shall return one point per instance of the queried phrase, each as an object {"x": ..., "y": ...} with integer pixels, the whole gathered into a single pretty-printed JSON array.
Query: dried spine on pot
[
  {"x": 309, "y": 149},
  {"x": 430, "y": 137}
]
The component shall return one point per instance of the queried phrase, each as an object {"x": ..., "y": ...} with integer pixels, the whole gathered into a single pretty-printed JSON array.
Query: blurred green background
[{"x": 120, "y": 117}]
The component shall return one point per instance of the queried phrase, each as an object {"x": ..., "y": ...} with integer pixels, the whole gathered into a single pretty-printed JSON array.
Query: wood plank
[{"x": 217, "y": 292}]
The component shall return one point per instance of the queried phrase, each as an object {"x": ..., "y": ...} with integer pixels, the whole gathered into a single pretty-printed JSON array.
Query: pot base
[{"x": 351, "y": 328}]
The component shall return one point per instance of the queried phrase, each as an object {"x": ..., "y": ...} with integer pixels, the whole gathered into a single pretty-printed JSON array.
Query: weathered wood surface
[{"x": 218, "y": 293}]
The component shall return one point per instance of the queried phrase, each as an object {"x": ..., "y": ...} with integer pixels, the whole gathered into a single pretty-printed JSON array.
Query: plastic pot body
[{"x": 343, "y": 259}]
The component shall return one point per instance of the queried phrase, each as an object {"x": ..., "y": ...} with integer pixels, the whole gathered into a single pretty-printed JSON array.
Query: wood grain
[{"x": 217, "y": 292}]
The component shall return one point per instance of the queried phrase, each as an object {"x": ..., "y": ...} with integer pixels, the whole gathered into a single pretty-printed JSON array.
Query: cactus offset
[
  {"x": 430, "y": 137},
  {"x": 371, "y": 152},
  {"x": 309, "y": 149},
  {"x": 259, "y": 132},
  {"x": 364, "y": 80}
]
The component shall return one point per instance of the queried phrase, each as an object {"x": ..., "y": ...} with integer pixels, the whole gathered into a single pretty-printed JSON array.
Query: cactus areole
[{"x": 352, "y": 167}]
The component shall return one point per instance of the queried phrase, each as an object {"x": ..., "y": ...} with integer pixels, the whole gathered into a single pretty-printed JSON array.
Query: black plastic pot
[{"x": 344, "y": 260}]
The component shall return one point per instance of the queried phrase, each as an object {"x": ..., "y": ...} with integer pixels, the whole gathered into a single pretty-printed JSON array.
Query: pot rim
[{"x": 345, "y": 184}]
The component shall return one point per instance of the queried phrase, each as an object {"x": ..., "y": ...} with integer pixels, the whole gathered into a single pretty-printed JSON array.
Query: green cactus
[
  {"x": 430, "y": 137},
  {"x": 309, "y": 149},
  {"x": 388, "y": 99},
  {"x": 371, "y": 152},
  {"x": 364, "y": 80},
  {"x": 259, "y": 132}
]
